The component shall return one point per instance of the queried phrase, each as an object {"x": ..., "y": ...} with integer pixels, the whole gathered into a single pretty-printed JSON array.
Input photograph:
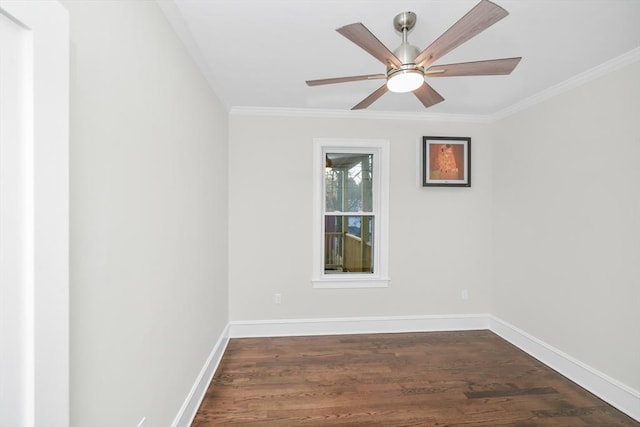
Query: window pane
[
  {"x": 348, "y": 244},
  {"x": 348, "y": 179}
]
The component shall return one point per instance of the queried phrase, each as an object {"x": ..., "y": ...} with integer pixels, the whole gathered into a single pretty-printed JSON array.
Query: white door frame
[{"x": 47, "y": 23}]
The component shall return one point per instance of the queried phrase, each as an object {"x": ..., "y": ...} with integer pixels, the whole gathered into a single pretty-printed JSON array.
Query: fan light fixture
[
  {"x": 407, "y": 66},
  {"x": 405, "y": 81}
]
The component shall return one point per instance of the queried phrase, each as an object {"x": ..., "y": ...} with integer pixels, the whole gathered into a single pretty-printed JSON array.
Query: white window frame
[{"x": 380, "y": 186}]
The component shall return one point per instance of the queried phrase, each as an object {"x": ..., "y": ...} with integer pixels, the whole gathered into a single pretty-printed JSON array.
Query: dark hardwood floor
[{"x": 470, "y": 378}]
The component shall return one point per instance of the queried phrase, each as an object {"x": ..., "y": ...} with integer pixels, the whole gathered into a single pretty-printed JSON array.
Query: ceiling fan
[{"x": 407, "y": 67}]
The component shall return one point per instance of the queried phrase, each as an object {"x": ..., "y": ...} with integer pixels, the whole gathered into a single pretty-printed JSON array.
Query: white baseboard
[
  {"x": 189, "y": 408},
  {"x": 357, "y": 325},
  {"x": 606, "y": 388}
]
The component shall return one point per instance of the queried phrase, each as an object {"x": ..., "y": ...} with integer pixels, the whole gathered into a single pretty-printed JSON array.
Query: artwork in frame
[{"x": 446, "y": 161}]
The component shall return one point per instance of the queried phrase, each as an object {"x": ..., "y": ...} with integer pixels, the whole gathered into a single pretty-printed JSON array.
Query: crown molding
[
  {"x": 174, "y": 16},
  {"x": 598, "y": 71},
  {"x": 614, "y": 64},
  {"x": 360, "y": 114}
]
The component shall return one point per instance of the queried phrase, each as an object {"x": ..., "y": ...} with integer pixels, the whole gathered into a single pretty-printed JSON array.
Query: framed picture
[{"x": 446, "y": 161}]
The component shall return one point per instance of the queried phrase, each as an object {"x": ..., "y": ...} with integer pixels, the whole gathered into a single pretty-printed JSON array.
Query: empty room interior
[{"x": 201, "y": 213}]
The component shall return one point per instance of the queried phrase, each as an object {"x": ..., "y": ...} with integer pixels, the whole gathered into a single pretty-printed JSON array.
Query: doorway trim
[{"x": 48, "y": 26}]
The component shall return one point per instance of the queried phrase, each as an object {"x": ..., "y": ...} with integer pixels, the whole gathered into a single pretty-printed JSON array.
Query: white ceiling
[{"x": 258, "y": 53}]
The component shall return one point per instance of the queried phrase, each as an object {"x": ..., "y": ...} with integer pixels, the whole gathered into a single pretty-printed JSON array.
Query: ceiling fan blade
[
  {"x": 492, "y": 67},
  {"x": 371, "y": 98},
  {"x": 427, "y": 95},
  {"x": 478, "y": 19},
  {"x": 360, "y": 35},
  {"x": 345, "y": 79}
]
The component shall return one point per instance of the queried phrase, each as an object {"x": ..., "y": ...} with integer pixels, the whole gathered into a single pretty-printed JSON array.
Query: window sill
[{"x": 350, "y": 283}]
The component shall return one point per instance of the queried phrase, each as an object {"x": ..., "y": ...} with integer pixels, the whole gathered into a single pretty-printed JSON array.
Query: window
[{"x": 351, "y": 195}]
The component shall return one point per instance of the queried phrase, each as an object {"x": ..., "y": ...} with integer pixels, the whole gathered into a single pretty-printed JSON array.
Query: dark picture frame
[{"x": 446, "y": 161}]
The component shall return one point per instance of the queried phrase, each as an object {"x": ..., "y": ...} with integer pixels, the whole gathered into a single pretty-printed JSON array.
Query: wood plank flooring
[{"x": 469, "y": 378}]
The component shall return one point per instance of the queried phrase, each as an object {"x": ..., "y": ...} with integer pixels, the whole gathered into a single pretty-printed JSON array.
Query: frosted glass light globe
[{"x": 405, "y": 81}]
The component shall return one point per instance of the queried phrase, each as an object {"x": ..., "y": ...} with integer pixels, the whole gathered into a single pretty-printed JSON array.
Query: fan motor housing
[
  {"x": 407, "y": 67},
  {"x": 406, "y": 53}
]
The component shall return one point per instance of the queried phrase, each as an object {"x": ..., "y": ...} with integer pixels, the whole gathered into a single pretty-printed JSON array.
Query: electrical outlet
[
  {"x": 143, "y": 422},
  {"x": 465, "y": 294},
  {"x": 277, "y": 298}
]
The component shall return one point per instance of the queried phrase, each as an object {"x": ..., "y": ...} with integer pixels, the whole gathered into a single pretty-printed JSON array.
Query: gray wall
[
  {"x": 546, "y": 238},
  {"x": 148, "y": 216},
  {"x": 567, "y": 223},
  {"x": 439, "y": 237}
]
